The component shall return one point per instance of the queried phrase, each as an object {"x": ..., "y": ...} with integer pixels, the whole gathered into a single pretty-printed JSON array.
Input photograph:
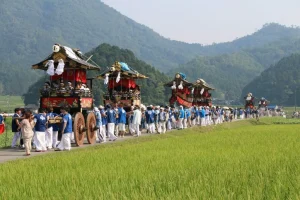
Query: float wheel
[
  {"x": 79, "y": 128},
  {"x": 91, "y": 132}
]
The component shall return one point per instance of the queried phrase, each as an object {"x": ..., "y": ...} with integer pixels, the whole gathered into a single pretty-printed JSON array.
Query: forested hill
[
  {"x": 152, "y": 89},
  {"x": 278, "y": 83},
  {"x": 229, "y": 73},
  {"x": 30, "y": 28}
]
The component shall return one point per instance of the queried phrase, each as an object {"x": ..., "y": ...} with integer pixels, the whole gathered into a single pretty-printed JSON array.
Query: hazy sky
[{"x": 208, "y": 21}]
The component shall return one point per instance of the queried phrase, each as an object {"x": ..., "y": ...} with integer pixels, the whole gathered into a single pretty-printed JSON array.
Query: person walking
[
  {"x": 49, "y": 130},
  {"x": 137, "y": 118},
  {"x": 67, "y": 129},
  {"x": 40, "y": 130},
  {"x": 162, "y": 121},
  {"x": 98, "y": 126},
  {"x": 185, "y": 119},
  {"x": 15, "y": 127},
  {"x": 104, "y": 123},
  {"x": 111, "y": 121},
  {"x": 156, "y": 117},
  {"x": 202, "y": 117},
  {"x": 122, "y": 120},
  {"x": 181, "y": 117},
  {"x": 150, "y": 120},
  {"x": 26, "y": 126}
]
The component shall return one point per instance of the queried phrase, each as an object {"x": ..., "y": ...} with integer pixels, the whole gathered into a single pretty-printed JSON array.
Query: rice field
[
  {"x": 9, "y": 103},
  {"x": 240, "y": 160}
]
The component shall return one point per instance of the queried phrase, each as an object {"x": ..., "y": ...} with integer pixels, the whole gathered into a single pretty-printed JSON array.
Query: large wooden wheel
[
  {"x": 90, "y": 125},
  {"x": 79, "y": 128}
]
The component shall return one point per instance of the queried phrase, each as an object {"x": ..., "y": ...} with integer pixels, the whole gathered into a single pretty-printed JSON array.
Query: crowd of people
[
  {"x": 112, "y": 121},
  {"x": 36, "y": 129}
]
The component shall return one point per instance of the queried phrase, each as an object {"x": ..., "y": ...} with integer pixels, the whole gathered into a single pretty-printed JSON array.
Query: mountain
[
  {"x": 279, "y": 83},
  {"x": 152, "y": 89},
  {"x": 31, "y": 27},
  {"x": 229, "y": 73}
]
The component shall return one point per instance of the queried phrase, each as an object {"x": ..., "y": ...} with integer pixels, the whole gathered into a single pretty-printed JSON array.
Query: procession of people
[
  {"x": 67, "y": 103},
  {"x": 113, "y": 122}
]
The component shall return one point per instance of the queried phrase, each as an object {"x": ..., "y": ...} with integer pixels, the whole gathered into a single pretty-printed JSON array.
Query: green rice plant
[{"x": 230, "y": 161}]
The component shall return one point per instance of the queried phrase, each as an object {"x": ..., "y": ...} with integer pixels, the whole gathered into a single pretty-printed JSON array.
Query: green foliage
[
  {"x": 229, "y": 73},
  {"x": 231, "y": 161},
  {"x": 280, "y": 83},
  {"x": 152, "y": 89},
  {"x": 105, "y": 55},
  {"x": 9, "y": 103},
  {"x": 31, "y": 27},
  {"x": 224, "y": 72}
]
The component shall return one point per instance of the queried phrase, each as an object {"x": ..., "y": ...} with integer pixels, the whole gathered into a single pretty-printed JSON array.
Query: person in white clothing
[
  {"x": 162, "y": 121},
  {"x": 111, "y": 121},
  {"x": 181, "y": 117},
  {"x": 136, "y": 121},
  {"x": 104, "y": 123}
]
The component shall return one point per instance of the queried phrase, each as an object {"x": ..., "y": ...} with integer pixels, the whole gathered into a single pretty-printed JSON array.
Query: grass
[
  {"x": 9, "y": 103},
  {"x": 241, "y": 160},
  {"x": 7, "y": 136}
]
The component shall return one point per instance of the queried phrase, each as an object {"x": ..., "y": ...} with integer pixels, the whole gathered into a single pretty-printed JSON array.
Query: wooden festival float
[
  {"x": 201, "y": 95},
  {"x": 249, "y": 101},
  {"x": 263, "y": 103},
  {"x": 69, "y": 86},
  {"x": 121, "y": 85},
  {"x": 181, "y": 91}
]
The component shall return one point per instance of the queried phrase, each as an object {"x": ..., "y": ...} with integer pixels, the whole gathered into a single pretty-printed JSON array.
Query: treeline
[
  {"x": 229, "y": 73},
  {"x": 280, "y": 83}
]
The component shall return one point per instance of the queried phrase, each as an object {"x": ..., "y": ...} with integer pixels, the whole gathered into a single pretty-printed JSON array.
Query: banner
[
  {"x": 2, "y": 128},
  {"x": 184, "y": 102},
  {"x": 127, "y": 83},
  {"x": 71, "y": 102},
  {"x": 71, "y": 75}
]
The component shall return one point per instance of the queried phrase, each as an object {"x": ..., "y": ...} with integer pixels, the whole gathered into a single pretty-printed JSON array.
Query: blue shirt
[
  {"x": 68, "y": 119},
  {"x": 111, "y": 116},
  {"x": 188, "y": 113},
  {"x": 149, "y": 116},
  {"x": 122, "y": 116},
  {"x": 98, "y": 119},
  {"x": 1, "y": 119},
  {"x": 202, "y": 113},
  {"x": 181, "y": 114},
  {"x": 40, "y": 122},
  {"x": 104, "y": 118}
]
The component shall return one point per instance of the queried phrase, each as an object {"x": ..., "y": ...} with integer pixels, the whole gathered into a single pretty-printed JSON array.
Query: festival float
[
  {"x": 201, "y": 95},
  {"x": 181, "y": 91},
  {"x": 249, "y": 101},
  {"x": 122, "y": 87},
  {"x": 68, "y": 86},
  {"x": 263, "y": 103}
]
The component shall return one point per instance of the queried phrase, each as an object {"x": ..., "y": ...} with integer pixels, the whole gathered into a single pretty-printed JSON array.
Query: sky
[{"x": 208, "y": 21}]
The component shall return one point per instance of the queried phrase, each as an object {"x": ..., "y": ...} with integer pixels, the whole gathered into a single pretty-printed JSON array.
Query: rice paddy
[{"x": 240, "y": 160}]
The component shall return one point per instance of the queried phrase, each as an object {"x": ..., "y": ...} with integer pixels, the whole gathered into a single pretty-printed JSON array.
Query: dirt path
[{"x": 16, "y": 153}]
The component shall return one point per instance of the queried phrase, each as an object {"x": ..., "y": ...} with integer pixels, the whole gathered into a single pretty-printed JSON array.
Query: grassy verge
[
  {"x": 234, "y": 161},
  {"x": 9, "y": 103},
  {"x": 7, "y": 136}
]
